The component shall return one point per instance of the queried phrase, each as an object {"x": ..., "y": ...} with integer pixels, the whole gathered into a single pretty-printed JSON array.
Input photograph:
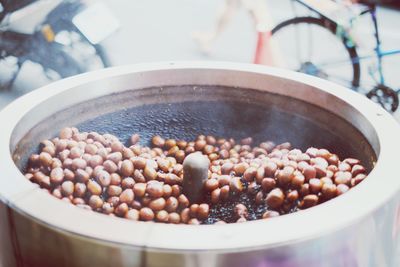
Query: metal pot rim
[{"x": 329, "y": 217}]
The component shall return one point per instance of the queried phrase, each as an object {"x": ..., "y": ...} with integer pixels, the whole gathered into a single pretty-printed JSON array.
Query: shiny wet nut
[
  {"x": 128, "y": 182},
  {"x": 352, "y": 161},
  {"x": 114, "y": 190},
  {"x": 67, "y": 188},
  {"x": 240, "y": 210},
  {"x": 95, "y": 161},
  {"x": 285, "y": 176},
  {"x": 45, "y": 159},
  {"x": 122, "y": 209},
  {"x": 117, "y": 146},
  {"x": 358, "y": 179},
  {"x": 167, "y": 190},
  {"x": 208, "y": 149},
  {"x": 203, "y": 211},
  {"x": 75, "y": 152},
  {"x": 57, "y": 175},
  {"x": 241, "y": 220},
  {"x": 171, "y": 204},
  {"x": 246, "y": 141},
  {"x": 110, "y": 166},
  {"x": 298, "y": 180},
  {"x": 157, "y": 204},
  {"x": 183, "y": 201},
  {"x": 224, "y": 180},
  {"x": 253, "y": 188},
  {"x": 82, "y": 176},
  {"x": 328, "y": 191},
  {"x": 176, "y": 190},
  {"x": 321, "y": 162},
  {"x": 146, "y": 214},
  {"x": 259, "y": 199},
  {"x": 236, "y": 185},
  {"x": 181, "y": 144},
  {"x": 321, "y": 171},
  {"x": 342, "y": 178},
  {"x": 292, "y": 196},
  {"x": 139, "y": 163},
  {"x": 158, "y": 141},
  {"x": 150, "y": 173},
  {"x": 126, "y": 168},
  {"x": 270, "y": 169},
  {"x": 193, "y": 210},
  {"x": 309, "y": 172},
  {"x": 139, "y": 177},
  {"x": 94, "y": 187},
  {"x": 78, "y": 201},
  {"x": 211, "y": 184},
  {"x": 333, "y": 159},
  {"x": 240, "y": 168},
  {"x": 134, "y": 139},
  {"x": 108, "y": 208},
  {"x": 341, "y": 189},
  {"x": 140, "y": 189},
  {"x": 357, "y": 169},
  {"x": 127, "y": 196},
  {"x": 115, "y": 157},
  {"x": 95, "y": 202},
  {"x": 68, "y": 175},
  {"x": 132, "y": 215},
  {"x": 267, "y": 184},
  {"x": 162, "y": 216},
  {"x": 249, "y": 174},
  {"x": 199, "y": 145},
  {"x": 174, "y": 218},
  {"x": 193, "y": 221},
  {"x": 185, "y": 215},
  {"x": 172, "y": 179},
  {"x": 103, "y": 178},
  {"x": 315, "y": 185},
  {"x": 66, "y": 133},
  {"x": 275, "y": 198},
  {"x": 270, "y": 214},
  {"x": 309, "y": 201},
  {"x": 223, "y": 154},
  {"x": 344, "y": 167},
  {"x": 260, "y": 174},
  {"x": 224, "y": 192},
  {"x": 215, "y": 195},
  {"x": 154, "y": 189}
]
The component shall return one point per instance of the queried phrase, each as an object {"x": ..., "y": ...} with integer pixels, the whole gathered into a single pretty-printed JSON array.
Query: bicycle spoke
[
  {"x": 340, "y": 80},
  {"x": 298, "y": 52},
  {"x": 310, "y": 42},
  {"x": 314, "y": 39}
]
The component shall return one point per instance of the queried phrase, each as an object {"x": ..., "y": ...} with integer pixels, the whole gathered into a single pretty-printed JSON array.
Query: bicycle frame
[{"x": 379, "y": 53}]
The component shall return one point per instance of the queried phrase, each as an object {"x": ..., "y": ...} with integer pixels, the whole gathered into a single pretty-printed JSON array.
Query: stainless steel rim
[{"x": 329, "y": 217}]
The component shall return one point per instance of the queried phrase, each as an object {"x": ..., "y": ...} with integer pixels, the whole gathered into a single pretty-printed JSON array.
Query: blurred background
[{"x": 42, "y": 41}]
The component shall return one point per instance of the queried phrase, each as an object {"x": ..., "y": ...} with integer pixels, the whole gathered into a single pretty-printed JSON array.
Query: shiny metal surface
[{"x": 359, "y": 228}]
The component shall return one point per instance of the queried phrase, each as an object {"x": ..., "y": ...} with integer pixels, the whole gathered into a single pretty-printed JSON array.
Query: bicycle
[{"x": 342, "y": 69}]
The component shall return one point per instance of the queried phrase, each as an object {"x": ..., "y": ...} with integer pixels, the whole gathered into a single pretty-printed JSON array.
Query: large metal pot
[{"x": 359, "y": 228}]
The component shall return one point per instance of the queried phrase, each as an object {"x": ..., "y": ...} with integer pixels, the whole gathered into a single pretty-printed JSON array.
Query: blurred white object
[
  {"x": 96, "y": 22},
  {"x": 26, "y": 19}
]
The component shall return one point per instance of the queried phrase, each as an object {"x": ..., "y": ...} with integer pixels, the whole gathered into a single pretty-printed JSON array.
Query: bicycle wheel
[{"x": 310, "y": 45}]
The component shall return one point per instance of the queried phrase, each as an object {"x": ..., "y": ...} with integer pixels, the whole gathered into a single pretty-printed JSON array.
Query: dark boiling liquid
[{"x": 224, "y": 210}]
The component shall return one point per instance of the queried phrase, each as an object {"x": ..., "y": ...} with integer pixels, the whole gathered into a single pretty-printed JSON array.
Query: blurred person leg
[
  {"x": 265, "y": 52},
  {"x": 206, "y": 39}
]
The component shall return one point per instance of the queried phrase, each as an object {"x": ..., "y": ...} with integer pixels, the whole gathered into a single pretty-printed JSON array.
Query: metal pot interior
[{"x": 183, "y": 112}]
